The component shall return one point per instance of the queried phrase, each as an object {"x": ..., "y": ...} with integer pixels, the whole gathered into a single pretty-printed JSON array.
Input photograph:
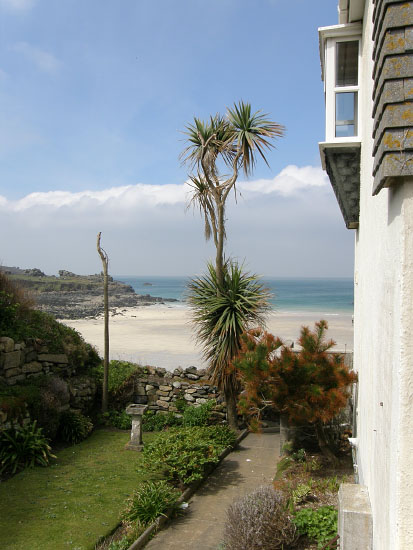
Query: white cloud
[
  {"x": 43, "y": 60},
  {"x": 147, "y": 230},
  {"x": 289, "y": 182},
  {"x": 17, "y": 5}
]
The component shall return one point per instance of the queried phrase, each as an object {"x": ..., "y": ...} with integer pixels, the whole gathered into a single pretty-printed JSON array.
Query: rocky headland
[{"x": 71, "y": 296}]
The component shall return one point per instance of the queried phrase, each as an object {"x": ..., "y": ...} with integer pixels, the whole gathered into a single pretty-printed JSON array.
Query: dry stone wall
[
  {"x": 20, "y": 361},
  {"x": 162, "y": 390}
]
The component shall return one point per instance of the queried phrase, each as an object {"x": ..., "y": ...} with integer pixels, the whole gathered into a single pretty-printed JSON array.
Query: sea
[{"x": 300, "y": 295}]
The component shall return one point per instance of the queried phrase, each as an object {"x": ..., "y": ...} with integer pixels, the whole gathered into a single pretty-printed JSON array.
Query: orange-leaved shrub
[{"x": 309, "y": 386}]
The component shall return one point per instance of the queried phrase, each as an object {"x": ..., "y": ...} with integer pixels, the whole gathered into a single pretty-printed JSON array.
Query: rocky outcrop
[{"x": 72, "y": 296}]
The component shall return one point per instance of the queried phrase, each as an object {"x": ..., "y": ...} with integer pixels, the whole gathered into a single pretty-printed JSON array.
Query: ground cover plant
[
  {"x": 74, "y": 501},
  {"x": 182, "y": 455},
  {"x": 310, "y": 483}
]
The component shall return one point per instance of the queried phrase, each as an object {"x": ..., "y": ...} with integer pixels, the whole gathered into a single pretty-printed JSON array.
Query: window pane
[
  {"x": 347, "y": 63},
  {"x": 346, "y": 114}
]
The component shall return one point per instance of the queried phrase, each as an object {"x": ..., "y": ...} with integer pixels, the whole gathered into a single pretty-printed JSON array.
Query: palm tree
[
  {"x": 221, "y": 314},
  {"x": 234, "y": 142}
]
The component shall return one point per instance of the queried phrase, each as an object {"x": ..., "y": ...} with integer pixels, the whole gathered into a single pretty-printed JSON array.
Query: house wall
[{"x": 383, "y": 347}]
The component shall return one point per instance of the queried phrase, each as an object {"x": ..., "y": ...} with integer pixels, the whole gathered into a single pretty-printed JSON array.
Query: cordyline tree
[
  {"x": 310, "y": 386},
  {"x": 232, "y": 143},
  {"x": 221, "y": 314}
]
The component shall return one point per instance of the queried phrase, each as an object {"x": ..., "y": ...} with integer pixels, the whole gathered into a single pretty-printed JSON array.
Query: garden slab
[{"x": 254, "y": 463}]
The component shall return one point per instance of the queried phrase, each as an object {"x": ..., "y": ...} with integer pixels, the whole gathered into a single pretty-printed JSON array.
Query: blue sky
[{"x": 94, "y": 96}]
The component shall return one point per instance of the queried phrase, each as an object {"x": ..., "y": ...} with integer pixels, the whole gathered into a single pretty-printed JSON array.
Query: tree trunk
[
  {"x": 232, "y": 415},
  {"x": 105, "y": 261},
  {"x": 219, "y": 264},
  {"x": 322, "y": 443}
]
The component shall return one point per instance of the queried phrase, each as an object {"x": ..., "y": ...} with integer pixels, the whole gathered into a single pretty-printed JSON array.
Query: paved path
[{"x": 252, "y": 464}]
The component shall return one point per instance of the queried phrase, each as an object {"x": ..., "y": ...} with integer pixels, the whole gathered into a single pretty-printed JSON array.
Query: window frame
[{"x": 330, "y": 36}]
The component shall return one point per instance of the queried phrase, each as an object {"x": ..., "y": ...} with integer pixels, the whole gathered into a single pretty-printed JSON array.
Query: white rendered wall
[{"x": 383, "y": 346}]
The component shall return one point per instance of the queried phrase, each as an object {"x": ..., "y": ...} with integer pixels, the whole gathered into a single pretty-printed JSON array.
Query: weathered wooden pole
[{"x": 105, "y": 260}]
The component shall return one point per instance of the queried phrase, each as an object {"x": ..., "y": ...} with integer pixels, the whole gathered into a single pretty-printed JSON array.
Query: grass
[{"x": 75, "y": 501}]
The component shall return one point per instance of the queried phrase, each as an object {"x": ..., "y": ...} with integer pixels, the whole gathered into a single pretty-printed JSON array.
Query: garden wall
[
  {"x": 162, "y": 390},
  {"x": 20, "y": 361}
]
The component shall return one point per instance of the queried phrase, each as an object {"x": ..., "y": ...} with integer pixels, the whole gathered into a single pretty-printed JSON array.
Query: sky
[{"x": 94, "y": 99}]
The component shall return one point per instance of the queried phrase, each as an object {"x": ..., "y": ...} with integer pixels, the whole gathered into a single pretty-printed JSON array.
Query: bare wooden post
[{"x": 105, "y": 260}]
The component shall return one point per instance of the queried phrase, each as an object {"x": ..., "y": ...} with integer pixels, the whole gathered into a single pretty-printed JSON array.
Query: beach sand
[{"x": 161, "y": 335}]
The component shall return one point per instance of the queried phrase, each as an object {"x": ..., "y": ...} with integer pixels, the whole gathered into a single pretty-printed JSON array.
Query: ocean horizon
[{"x": 296, "y": 295}]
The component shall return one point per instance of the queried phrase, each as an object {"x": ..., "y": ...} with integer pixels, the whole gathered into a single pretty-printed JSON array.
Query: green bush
[
  {"x": 74, "y": 427},
  {"x": 150, "y": 500},
  {"x": 23, "y": 447},
  {"x": 198, "y": 416},
  {"x": 319, "y": 524},
  {"x": 156, "y": 422},
  {"x": 182, "y": 455},
  {"x": 119, "y": 372},
  {"x": 117, "y": 419}
]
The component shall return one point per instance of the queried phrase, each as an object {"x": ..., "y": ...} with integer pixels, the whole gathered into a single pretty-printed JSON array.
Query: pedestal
[{"x": 136, "y": 412}]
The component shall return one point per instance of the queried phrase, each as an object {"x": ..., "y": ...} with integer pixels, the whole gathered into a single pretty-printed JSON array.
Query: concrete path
[{"x": 201, "y": 528}]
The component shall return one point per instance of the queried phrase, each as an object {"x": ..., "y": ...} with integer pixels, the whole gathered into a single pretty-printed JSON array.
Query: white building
[{"x": 367, "y": 69}]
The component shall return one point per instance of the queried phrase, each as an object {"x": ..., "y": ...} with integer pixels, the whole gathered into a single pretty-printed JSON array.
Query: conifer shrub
[
  {"x": 259, "y": 521},
  {"x": 310, "y": 386}
]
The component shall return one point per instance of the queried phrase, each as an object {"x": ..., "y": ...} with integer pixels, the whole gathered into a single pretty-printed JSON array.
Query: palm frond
[
  {"x": 221, "y": 314},
  {"x": 252, "y": 134}
]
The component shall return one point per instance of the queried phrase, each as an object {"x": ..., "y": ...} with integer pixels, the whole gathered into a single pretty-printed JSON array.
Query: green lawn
[{"x": 72, "y": 503}]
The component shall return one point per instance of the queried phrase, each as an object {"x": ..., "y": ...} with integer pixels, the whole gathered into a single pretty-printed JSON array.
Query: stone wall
[
  {"x": 20, "y": 361},
  {"x": 161, "y": 389}
]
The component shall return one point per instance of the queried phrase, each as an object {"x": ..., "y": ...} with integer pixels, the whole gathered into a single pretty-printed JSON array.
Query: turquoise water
[{"x": 305, "y": 295}]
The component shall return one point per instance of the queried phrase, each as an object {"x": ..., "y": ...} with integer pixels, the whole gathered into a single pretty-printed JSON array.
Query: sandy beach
[{"x": 161, "y": 335}]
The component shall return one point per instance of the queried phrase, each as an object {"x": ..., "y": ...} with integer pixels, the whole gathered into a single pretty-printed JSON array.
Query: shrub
[
  {"x": 150, "y": 500},
  {"x": 156, "y": 422},
  {"x": 117, "y": 419},
  {"x": 259, "y": 521},
  {"x": 119, "y": 372},
  {"x": 182, "y": 456},
  {"x": 23, "y": 447},
  {"x": 74, "y": 427},
  {"x": 309, "y": 387},
  {"x": 319, "y": 524},
  {"x": 198, "y": 416}
]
